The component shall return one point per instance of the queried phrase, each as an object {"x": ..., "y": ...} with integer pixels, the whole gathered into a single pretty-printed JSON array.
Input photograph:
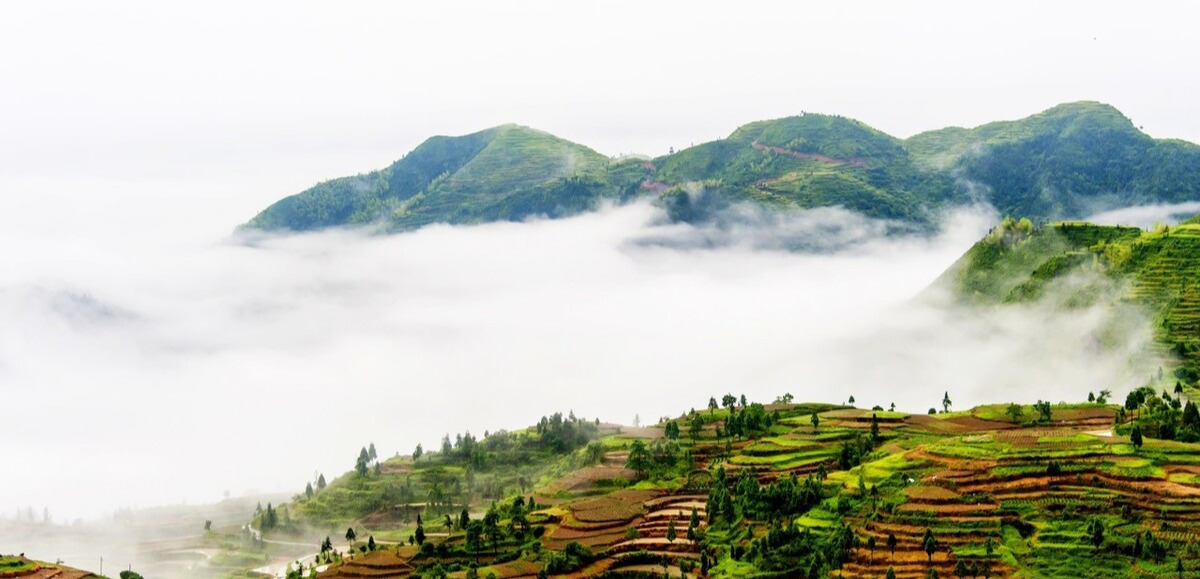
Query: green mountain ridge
[{"x": 1067, "y": 162}]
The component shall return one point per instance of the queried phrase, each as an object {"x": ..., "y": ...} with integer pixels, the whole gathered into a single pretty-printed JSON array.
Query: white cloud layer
[{"x": 158, "y": 374}]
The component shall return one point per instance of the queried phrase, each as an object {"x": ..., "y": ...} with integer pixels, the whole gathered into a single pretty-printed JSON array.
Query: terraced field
[
  {"x": 761, "y": 492},
  {"x": 18, "y": 567}
]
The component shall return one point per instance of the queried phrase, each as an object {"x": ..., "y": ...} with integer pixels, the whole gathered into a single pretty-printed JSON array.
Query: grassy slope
[
  {"x": 1158, "y": 269},
  {"x": 1068, "y": 161}
]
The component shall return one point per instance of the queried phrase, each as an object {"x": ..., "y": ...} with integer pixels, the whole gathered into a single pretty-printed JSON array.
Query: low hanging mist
[{"x": 153, "y": 375}]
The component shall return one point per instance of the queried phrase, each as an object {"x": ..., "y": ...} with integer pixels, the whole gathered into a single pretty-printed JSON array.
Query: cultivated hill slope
[
  {"x": 1067, "y": 162},
  {"x": 1081, "y": 263},
  {"x": 747, "y": 490}
]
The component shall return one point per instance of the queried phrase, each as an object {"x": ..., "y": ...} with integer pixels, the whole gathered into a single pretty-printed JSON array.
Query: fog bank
[{"x": 148, "y": 376}]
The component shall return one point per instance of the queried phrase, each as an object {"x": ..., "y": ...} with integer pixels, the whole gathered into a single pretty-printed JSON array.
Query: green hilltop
[
  {"x": 1067, "y": 162},
  {"x": 503, "y": 173}
]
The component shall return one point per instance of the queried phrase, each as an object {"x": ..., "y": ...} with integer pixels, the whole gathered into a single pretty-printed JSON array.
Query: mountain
[
  {"x": 1068, "y": 162},
  {"x": 503, "y": 173},
  {"x": 1079, "y": 264}
]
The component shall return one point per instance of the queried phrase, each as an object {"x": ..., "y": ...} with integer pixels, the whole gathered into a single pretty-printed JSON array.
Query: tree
[
  {"x": 350, "y": 535},
  {"x": 360, "y": 467},
  {"x": 207, "y": 526},
  {"x": 671, "y": 530},
  {"x": 1095, "y": 531},
  {"x": 639, "y": 459},
  {"x": 417, "y": 452},
  {"x": 321, "y": 482},
  {"x": 946, "y": 402},
  {"x": 891, "y": 544},
  {"x": 671, "y": 430},
  {"x": 1103, "y": 396},
  {"x": 464, "y": 519},
  {"x": 371, "y": 454},
  {"x": 1136, "y": 437},
  {"x": 930, "y": 544},
  {"x": 1091, "y": 397},
  {"x": 1014, "y": 412},
  {"x": 419, "y": 534},
  {"x": 815, "y": 421},
  {"x": 712, "y": 405},
  {"x": 1178, "y": 389},
  {"x": 850, "y": 401},
  {"x": 695, "y": 426},
  {"x": 371, "y": 542},
  {"x": 989, "y": 546},
  {"x": 891, "y": 573},
  {"x": 308, "y": 490},
  {"x": 1044, "y": 409},
  {"x": 875, "y": 428},
  {"x": 871, "y": 547}
]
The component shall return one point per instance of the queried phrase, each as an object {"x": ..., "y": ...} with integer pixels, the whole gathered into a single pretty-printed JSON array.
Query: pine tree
[
  {"x": 671, "y": 530},
  {"x": 321, "y": 482},
  {"x": 308, "y": 490},
  {"x": 930, "y": 544}
]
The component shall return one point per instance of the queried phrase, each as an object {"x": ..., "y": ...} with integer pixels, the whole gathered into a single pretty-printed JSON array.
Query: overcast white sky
[
  {"x": 135, "y": 135},
  {"x": 261, "y": 99}
]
